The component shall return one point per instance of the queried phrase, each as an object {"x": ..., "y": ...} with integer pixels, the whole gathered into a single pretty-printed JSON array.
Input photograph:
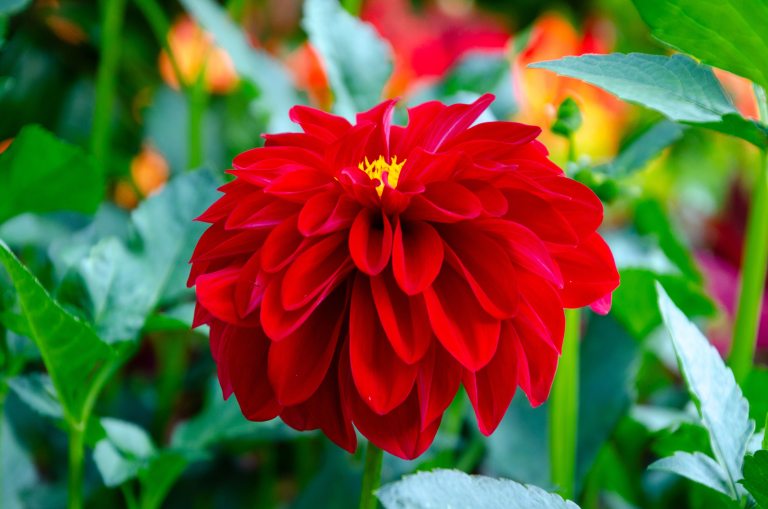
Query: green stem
[
  {"x": 106, "y": 78},
  {"x": 753, "y": 269},
  {"x": 236, "y": 9},
  {"x": 160, "y": 27},
  {"x": 564, "y": 409},
  {"x": 197, "y": 98},
  {"x": 129, "y": 495},
  {"x": 371, "y": 476},
  {"x": 76, "y": 457},
  {"x": 352, "y": 6}
]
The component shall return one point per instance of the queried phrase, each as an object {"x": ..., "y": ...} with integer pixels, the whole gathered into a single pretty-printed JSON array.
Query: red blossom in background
[{"x": 358, "y": 274}]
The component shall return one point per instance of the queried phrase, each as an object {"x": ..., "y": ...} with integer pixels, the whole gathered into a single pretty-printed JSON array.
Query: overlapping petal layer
[{"x": 345, "y": 294}]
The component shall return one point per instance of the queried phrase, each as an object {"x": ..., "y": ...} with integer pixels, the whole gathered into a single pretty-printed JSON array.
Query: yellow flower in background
[
  {"x": 194, "y": 51},
  {"x": 540, "y": 92}
]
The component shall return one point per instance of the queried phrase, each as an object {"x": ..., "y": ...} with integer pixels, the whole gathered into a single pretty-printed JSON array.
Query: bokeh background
[{"x": 675, "y": 212}]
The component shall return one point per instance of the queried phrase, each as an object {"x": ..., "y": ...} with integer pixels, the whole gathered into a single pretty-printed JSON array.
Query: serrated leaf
[
  {"x": 125, "y": 285},
  {"x": 697, "y": 467},
  {"x": 643, "y": 149},
  {"x": 729, "y": 34},
  {"x": 756, "y": 477},
  {"x": 278, "y": 94},
  {"x": 77, "y": 360},
  {"x": 357, "y": 61},
  {"x": 40, "y": 173},
  {"x": 37, "y": 391},
  {"x": 677, "y": 87},
  {"x": 721, "y": 405},
  {"x": 451, "y": 488}
]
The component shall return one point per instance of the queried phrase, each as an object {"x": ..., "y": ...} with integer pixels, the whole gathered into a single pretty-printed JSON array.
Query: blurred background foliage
[{"x": 97, "y": 193}]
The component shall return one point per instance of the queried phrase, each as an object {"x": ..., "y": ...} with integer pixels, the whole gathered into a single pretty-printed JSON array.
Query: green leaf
[
  {"x": 756, "y": 477},
  {"x": 37, "y": 391},
  {"x": 721, "y": 405},
  {"x": 278, "y": 94},
  {"x": 157, "y": 478},
  {"x": 677, "y": 87},
  {"x": 451, "y": 488},
  {"x": 222, "y": 420},
  {"x": 568, "y": 118},
  {"x": 697, "y": 467},
  {"x": 729, "y": 34},
  {"x": 8, "y": 7},
  {"x": 124, "y": 450},
  {"x": 17, "y": 471},
  {"x": 78, "y": 362},
  {"x": 124, "y": 284},
  {"x": 40, "y": 173},
  {"x": 644, "y": 148},
  {"x": 357, "y": 61}
]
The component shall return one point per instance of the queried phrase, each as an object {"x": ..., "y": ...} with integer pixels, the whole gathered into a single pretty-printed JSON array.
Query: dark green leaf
[
  {"x": 451, "y": 488},
  {"x": 278, "y": 94},
  {"x": 39, "y": 173},
  {"x": 157, "y": 478},
  {"x": 677, "y": 87},
  {"x": 721, "y": 405},
  {"x": 643, "y": 149},
  {"x": 357, "y": 61},
  {"x": 756, "y": 477},
  {"x": 729, "y": 34},
  {"x": 568, "y": 118},
  {"x": 77, "y": 360},
  {"x": 37, "y": 391},
  {"x": 697, "y": 467}
]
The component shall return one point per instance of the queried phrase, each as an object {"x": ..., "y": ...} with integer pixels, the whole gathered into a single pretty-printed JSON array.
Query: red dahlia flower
[{"x": 360, "y": 273}]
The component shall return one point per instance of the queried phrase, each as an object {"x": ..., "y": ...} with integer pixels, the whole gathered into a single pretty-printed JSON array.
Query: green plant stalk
[
  {"x": 564, "y": 409},
  {"x": 172, "y": 356},
  {"x": 197, "y": 100},
  {"x": 160, "y": 27},
  {"x": 352, "y": 6},
  {"x": 753, "y": 269},
  {"x": 76, "y": 457},
  {"x": 371, "y": 476},
  {"x": 106, "y": 78}
]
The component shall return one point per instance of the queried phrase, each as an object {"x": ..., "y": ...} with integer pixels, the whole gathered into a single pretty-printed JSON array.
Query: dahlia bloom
[{"x": 359, "y": 274}]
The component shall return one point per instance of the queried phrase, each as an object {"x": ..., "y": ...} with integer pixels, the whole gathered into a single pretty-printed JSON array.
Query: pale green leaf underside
[{"x": 697, "y": 467}]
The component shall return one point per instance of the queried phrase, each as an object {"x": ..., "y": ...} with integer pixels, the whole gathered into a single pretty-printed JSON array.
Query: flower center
[{"x": 380, "y": 170}]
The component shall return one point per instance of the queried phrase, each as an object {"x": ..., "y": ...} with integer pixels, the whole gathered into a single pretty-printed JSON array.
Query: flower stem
[
  {"x": 197, "y": 99},
  {"x": 371, "y": 476},
  {"x": 753, "y": 269},
  {"x": 564, "y": 409},
  {"x": 352, "y": 6},
  {"x": 76, "y": 435},
  {"x": 106, "y": 77}
]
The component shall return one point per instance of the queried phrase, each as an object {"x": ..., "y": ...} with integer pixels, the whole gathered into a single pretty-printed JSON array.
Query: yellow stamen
[{"x": 380, "y": 169}]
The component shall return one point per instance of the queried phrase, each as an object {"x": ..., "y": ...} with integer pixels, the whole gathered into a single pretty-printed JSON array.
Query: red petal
[
  {"x": 319, "y": 123},
  {"x": 327, "y": 213},
  {"x": 282, "y": 245},
  {"x": 404, "y": 318},
  {"x": 492, "y": 388},
  {"x": 300, "y": 185},
  {"x": 588, "y": 270},
  {"x": 485, "y": 266},
  {"x": 460, "y": 323},
  {"x": 382, "y": 379},
  {"x": 444, "y": 202},
  {"x": 438, "y": 381},
  {"x": 381, "y": 117},
  {"x": 417, "y": 255},
  {"x": 216, "y": 293},
  {"x": 370, "y": 241},
  {"x": 260, "y": 211},
  {"x": 298, "y": 363},
  {"x": 216, "y": 242},
  {"x": 313, "y": 271},
  {"x": 537, "y": 356},
  {"x": 249, "y": 290},
  {"x": 454, "y": 120},
  {"x": 423, "y": 167},
  {"x": 324, "y": 410},
  {"x": 243, "y": 357}
]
